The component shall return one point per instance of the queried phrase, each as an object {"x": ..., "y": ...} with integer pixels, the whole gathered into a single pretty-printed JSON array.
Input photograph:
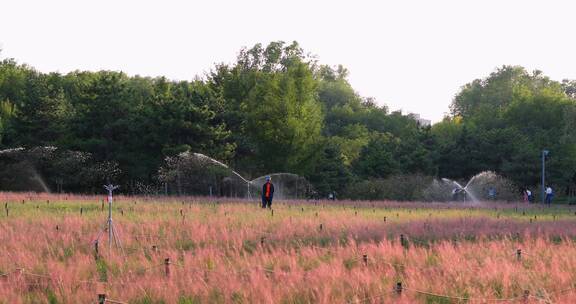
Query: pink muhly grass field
[{"x": 234, "y": 252}]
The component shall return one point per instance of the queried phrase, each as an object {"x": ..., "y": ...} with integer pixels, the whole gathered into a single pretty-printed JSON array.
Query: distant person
[
  {"x": 267, "y": 193},
  {"x": 492, "y": 193},
  {"x": 549, "y": 195},
  {"x": 528, "y": 196},
  {"x": 332, "y": 196}
]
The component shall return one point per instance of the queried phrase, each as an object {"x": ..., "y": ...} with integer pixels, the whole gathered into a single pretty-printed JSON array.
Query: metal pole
[
  {"x": 544, "y": 153},
  {"x": 110, "y": 235},
  {"x": 249, "y": 195}
]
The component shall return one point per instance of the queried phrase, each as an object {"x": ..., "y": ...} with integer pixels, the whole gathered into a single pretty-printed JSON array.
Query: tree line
[{"x": 277, "y": 109}]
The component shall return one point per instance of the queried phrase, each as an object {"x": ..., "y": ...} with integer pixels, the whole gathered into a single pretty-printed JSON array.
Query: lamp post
[{"x": 544, "y": 154}]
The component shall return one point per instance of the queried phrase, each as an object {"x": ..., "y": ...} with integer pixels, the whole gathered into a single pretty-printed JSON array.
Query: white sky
[{"x": 409, "y": 55}]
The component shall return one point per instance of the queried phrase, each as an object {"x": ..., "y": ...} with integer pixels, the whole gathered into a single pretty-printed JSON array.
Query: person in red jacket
[{"x": 267, "y": 193}]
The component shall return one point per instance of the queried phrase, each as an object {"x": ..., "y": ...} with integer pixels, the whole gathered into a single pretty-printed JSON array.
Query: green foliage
[
  {"x": 189, "y": 300},
  {"x": 148, "y": 300},
  {"x": 52, "y": 298},
  {"x": 503, "y": 122},
  {"x": 275, "y": 110},
  {"x": 395, "y": 187},
  {"x": 102, "y": 269}
]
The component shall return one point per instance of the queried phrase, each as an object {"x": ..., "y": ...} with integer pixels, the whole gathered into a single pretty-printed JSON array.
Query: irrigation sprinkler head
[{"x": 111, "y": 187}]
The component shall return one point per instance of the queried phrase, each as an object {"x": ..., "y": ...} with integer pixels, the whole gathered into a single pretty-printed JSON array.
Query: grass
[{"x": 234, "y": 252}]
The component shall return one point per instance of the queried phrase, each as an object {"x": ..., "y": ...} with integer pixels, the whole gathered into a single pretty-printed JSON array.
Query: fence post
[
  {"x": 365, "y": 259},
  {"x": 519, "y": 254},
  {"x": 402, "y": 240},
  {"x": 384, "y": 219},
  {"x": 399, "y": 288},
  {"x": 96, "y": 250},
  {"x": 272, "y": 212},
  {"x": 81, "y": 210},
  {"x": 262, "y": 241},
  {"x": 167, "y": 266},
  {"x": 320, "y": 227},
  {"x": 101, "y": 298}
]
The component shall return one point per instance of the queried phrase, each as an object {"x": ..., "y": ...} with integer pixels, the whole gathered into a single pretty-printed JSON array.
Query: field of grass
[{"x": 227, "y": 251}]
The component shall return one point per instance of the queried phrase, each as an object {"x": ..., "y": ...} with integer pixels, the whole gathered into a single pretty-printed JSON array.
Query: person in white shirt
[
  {"x": 529, "y": 195},
  {"x": 549, "y": 195}
]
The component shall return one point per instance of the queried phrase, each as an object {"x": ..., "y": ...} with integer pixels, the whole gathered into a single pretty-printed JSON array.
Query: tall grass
[{"x": 235, "y": 252}]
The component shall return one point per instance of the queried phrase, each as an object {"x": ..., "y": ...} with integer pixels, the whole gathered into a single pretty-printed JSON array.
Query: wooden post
[
  {"x": 6, "y": 212},
  {"x": 399, "y": 288},
  {"x": 81, "y": 210},
  {"x": 384, "y": 219},
  {"x": 101, "y": 298},
  {"x": 519, "y": 254},
  {"x": 272, "y": 212},
  {"x": 167, "y": 266},
  {"x": 102, "y": 206},
  {"x": 302, "y": 209},
  {"x": 262, "y": 241},
  {"x": 96, "y": 250},
  {"x": 365, "y": 259},
  {"x": 320, "y": 227}
]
